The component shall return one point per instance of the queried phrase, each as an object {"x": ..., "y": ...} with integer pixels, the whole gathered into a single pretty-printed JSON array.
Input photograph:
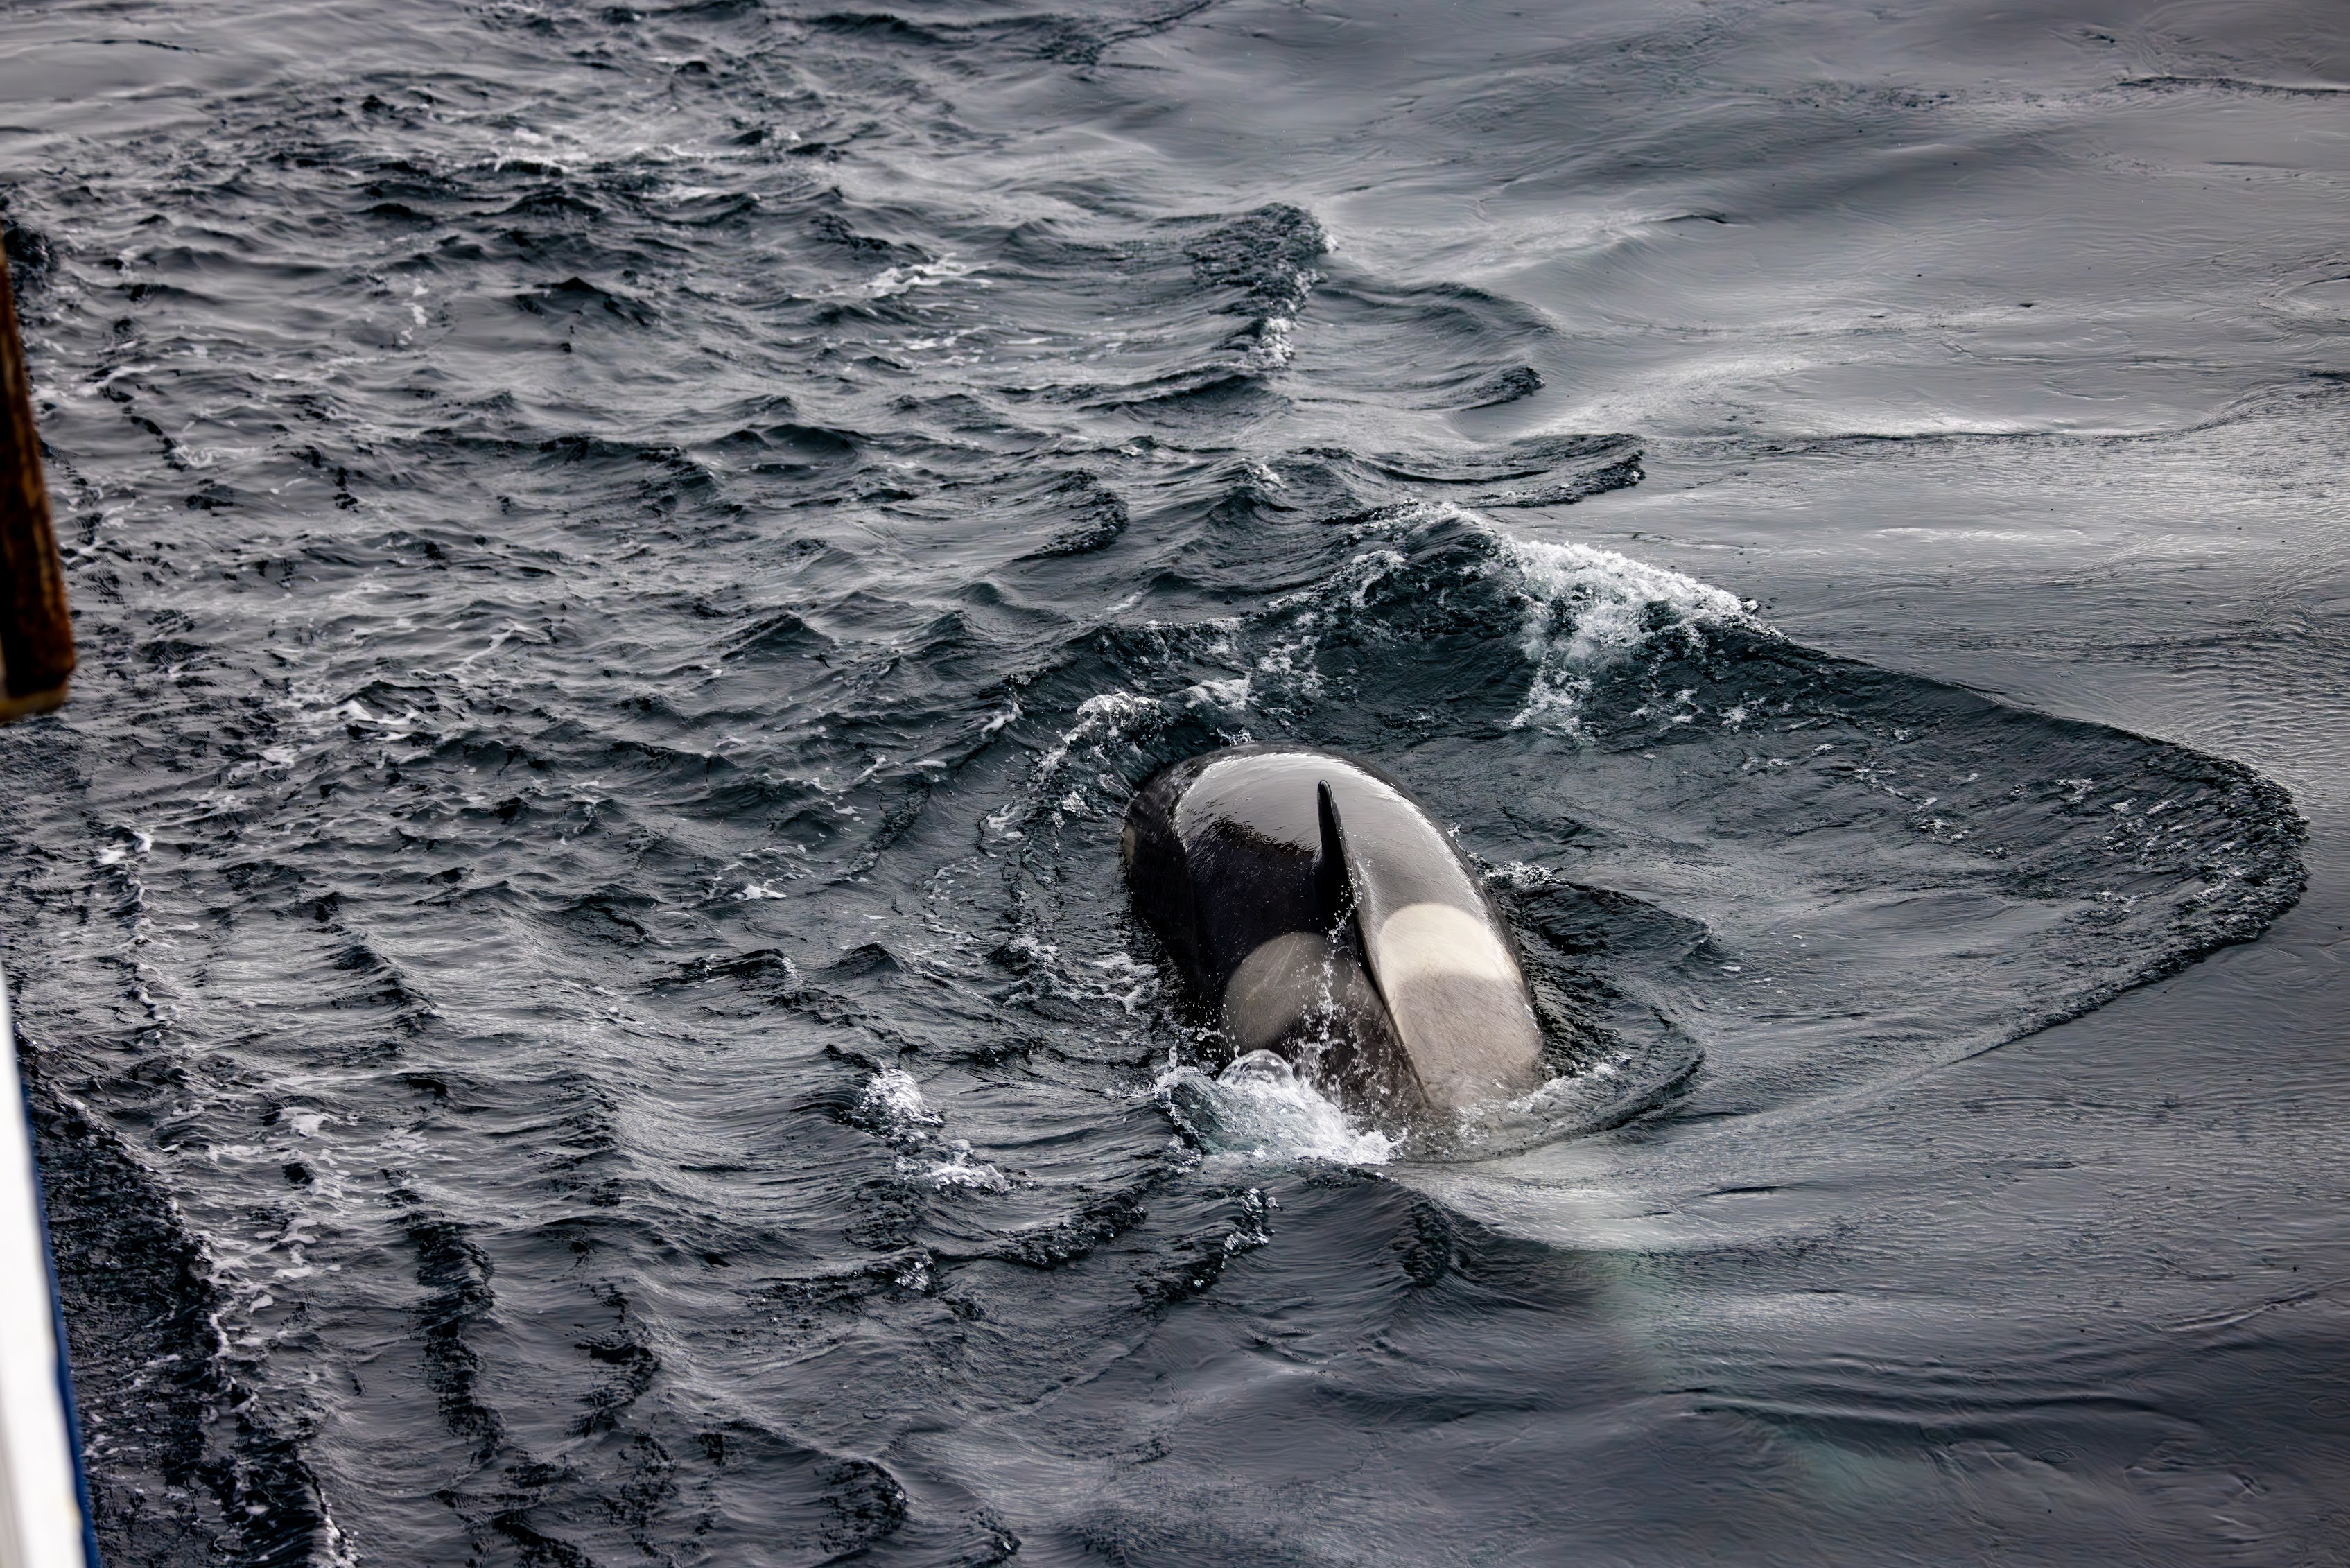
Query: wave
[{"x": 1636, "y": 747}]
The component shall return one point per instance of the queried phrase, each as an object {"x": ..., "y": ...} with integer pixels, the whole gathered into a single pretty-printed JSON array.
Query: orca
[{"x": 1312, "y": 908}]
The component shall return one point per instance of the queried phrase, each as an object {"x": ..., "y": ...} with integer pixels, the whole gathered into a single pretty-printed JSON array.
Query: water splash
[
  {"x": 893, "y": 1100},
  {"x": 1259, "y": 1109},
  {"x": 1584, "y": 607},
  {"x": 893, "y": 1105}
]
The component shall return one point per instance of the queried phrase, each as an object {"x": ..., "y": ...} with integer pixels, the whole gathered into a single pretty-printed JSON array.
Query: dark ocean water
[{"x": 569, "y": 943}]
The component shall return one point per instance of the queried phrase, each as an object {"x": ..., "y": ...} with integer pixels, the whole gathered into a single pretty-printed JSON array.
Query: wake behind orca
[{"x": 1314, "y": 907}]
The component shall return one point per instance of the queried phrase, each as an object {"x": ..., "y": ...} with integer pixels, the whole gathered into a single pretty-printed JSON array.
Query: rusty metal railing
[{"x": 36, "y": 650}]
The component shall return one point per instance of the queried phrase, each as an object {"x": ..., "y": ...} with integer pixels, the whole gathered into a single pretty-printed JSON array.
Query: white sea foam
[
  {"x": 1261, "y": 1109},
  {"x": 1103, "y": 719},
  {"x": 1584, "y": 607},
  {"x": 914, "y": 274},
  {"x": 958, "y": 1170},
  {"x": 1273, "y": 350},
  {"x": 895, "y": 1100}
]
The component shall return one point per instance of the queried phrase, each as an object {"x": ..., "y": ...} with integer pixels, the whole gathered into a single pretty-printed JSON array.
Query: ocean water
[{"x": 628, "y": 558}]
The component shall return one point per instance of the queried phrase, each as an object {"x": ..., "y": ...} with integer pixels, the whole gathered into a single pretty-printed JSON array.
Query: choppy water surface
[{"x": 630, "y": 559}]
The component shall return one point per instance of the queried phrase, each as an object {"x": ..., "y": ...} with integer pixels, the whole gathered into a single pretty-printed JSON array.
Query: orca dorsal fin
[
  {"x": 1332, "y": 887},
  {"x": 1343, "y": 888}
]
